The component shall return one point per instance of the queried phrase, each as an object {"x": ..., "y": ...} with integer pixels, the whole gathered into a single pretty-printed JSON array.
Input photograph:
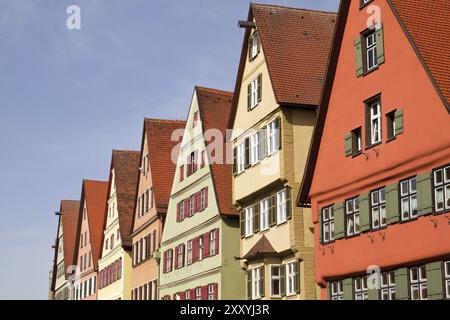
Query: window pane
[
  {"x": 414, "y": 274},
  {"x": 412, "y": 185},
  {"x": 423, "y": 273},
  {"x": 331, "y": 212},
  {"x": 415, "y": 292},
  {"x": 326, "y": 214},
  {"x": 349, "y": 206},
  {"x": 447, "y": 197},
  {"x": 404, "y": 188},
  {"x": 375, "y": 199},
  {"x": 376, "y": 217},
  {"x": 413, "y": 206},
  {"x": 405, "y": 208},
  {"x": 438, "y": 177},
  {"x": 447, "y": 174}
]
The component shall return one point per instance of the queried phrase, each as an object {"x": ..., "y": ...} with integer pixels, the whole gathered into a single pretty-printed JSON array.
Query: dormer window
[{"x": 254, "y": 46}]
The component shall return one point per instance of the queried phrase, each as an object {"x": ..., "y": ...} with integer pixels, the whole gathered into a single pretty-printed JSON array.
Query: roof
[
  {"x": 296, "y": 45},
  {"x": 95, "y": 194},
  {"x": 70, "y": 218},
  {"x": 261, "y": 248},
  {"x": 215, "y": 111},
  {"x": 423, "y": 22},
  {"x": 126, "y": 169},
  {"x": 160, "y": 146}
]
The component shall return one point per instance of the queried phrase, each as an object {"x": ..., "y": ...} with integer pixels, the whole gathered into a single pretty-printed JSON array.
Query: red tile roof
[
  {"x": 126, "y": 169},
  {"x": 427, "y": 22},
  {"x": 95, "y": 194},
  {"x": 70, "y": 218},
  {"x": 215, "y": 112},
  {"x": 160, "y": 146}
]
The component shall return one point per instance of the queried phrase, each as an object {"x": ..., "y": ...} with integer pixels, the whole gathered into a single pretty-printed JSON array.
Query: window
[
  {"x": 378, "y": 208},
  {"x": 249, "y": 221},
  {"x": 337, "y": 290},
  {"x": 275, "y": 281},
  {"x": 418, "y": 283},
  {"x": 447, "y": 279},
  {"x": 408, "y": 202},
  {"x": 211, "y": 292},
  {"x": 195, "y": 121},
  {"x": 191, "y": 205},
  {"x": 441, "y": 189},
  {"x": 241, "y": 158},
  {"x": 106, "y": 244},
  {"x": 328, "y": 224},
  {"x": 370, "y": 43},
  {"x": 282, "y": 205},
  {"x": 180, "y": 256},
  {"x": 198, "y": 294},
  {"x": 264, "y": 214},
  {"x": 112, "y": 241},
  {"x": 390, "y": 120},
  {"x": 203, "y": 159},
  {"x": 361, "y": 292},
  {"x": 187, "y": 295},
  {"x": 291, "y": 278},
  {"x": 254, "y": 92},
  {"x": 374, "y": 122},
  {"x": 192, "y": 163},
  {"x": 81, "y": 241},
  {"x": 352, "y": 216},
  {"x": 182, "y": 173},
  {"x": 169, "y": 260},
  {"x": 388, "y": 286},
  {"x": 273, "y": 136},
  {"x": 203, "y": 196},
  {"x": 364, "y": 3},
  {"x": 356, "y": 141},
  {"x": 254, "y": 149},
  {"x": 253, "y": 46},
  {"x": 200, "y": 248},
  {"x": 212, "y": 243},
  {"x": 257, "y": 283},
  {"x": 181, "y": 210},
  {"x": 189, "y": 252}
]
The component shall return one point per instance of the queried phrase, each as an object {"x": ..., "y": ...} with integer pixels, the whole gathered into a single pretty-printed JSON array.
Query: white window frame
[
  {"x": 254, "y": 98},
  {"x": 201, "y": 247},
  {"x": 419, "y": 284},
  {"x": 447, "y": 278},
  {"x": 240, "y": 158},
  {"x": 198, "y": 293},
  {"x": 181, "y": 204},
  {"x": 264, "y": 214},
  {"x": 328, "y": 224},
  {"x": 371, "y": 51},
  {"x": 255, "y": 44},
  {"x": 291, "y": 278},
  {"x": 378, "y": 208},
  {"x": 211, "y": 292},
  {"x": 360, "y": 288},
  {"x": 337, "y": 290},
  {"x": 375, "y": 122},
  {"x": 180, "y": 257},
  {"x": 203, "y": 199},
  {"x": 249, "y": 221},
  {"x": 256, "y": 282},
  {"x": 408, "y": 199},
  {"x": 191, "y": 205},
  {"x": 442, "y": 189},
  {"x": 189, "y": 250},
  {"x": 388, "y": 291},
  {"x": 282, "y": 206},
  {"x": 212, "y": 243},
  {"x": 254, "y": 149},
  {"x": 273, "y": 137},
  {"x": 275, "y": 278},
  {"x": 169, "y": 260},
  {"x": 352, "y": 213}
]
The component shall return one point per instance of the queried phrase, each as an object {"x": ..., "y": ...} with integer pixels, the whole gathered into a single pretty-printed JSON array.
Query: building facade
[
  {"x": 61, "y": 287},
  {"x": 201, "y": 232},
  {"x": 378, "y": 173},
  {"x": 115, "y": 263},
  {"x": 89, "y": 238},
  {"x": 280, "y": 77},
  {"x": 152, "y": 199}
]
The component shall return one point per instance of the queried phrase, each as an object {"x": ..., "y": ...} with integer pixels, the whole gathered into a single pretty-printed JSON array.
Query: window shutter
[
  {"x": 380, "y": 45},
  {"x": 249, "y": 284},
  {"x": 259, "y": 88},
  {"x": 256, "y": 223},
  {"x": 195, "y": 161},
  {"x": 250, "y": 45},
  {"x": 297, "y": 277},
  {"x": 188, "y": 164},
  {"x": 283, "y": 280},
  {"x": 348, "y": 288},
  {"x": 206, "y": 245},
  {"x": 288, "y": 204},
  {"x": 192, "y": 295},
  {"x": 177, "y": 249},
  {"x": 434, "y": 281},
  {"x": 273, "y": 210},
  {"x": 247, "y": 153},
  {"x": 359, "y": 57},
  {"x": 262, "y": 288},
  {"x": 348, "y": 145},
  {"x": 262, "y": 145},
  {"x": 398, "y": 120},
  {"x": 234, "y": 161},
  {"x": 195, "y": 243},
  {"x": 205, "y": 292},
  {"x": 242, "y": 224},
  {"x": 339, "y": 221},
  {"x": 424, "y": 194},
  {"x": 183, "y": 254},
  {"x": 278, "y": 133},
  {"x": 165, "y": 262},
  {"x": 320, "y": 227},
  {"x": 216, "y": 249},
  {"x": 401, "y": 284},
  {"x": 178, "y": 212},
  {"x": 373, "y": 294},
  {"x": 392, "y": 204},
  {"x": 206, "y": 197},
  {"x": 249, "y": 96},
  {"x": 364, "y": 212},
  {"x": 216, "y": 291}
]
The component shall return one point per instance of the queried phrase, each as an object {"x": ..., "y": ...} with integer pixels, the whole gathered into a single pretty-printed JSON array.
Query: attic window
[{"x": 254, "y": 46}]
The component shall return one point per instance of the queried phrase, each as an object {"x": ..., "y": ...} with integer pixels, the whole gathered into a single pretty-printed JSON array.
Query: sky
[{"x": 68, "y": 97}]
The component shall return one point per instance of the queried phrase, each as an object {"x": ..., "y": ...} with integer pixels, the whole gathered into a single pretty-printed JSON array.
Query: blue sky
[{"x": 67, "y": 98}]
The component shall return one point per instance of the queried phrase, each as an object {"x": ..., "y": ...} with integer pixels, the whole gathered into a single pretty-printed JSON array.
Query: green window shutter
[
  {"x": 259, "y": 88},
  {"x": 256, "y": 218},
  {"x": 242, "y": 224},
  {"x": 392, "y": 204},
  {"x": 273, "y": 210},
  {"x": 297, "y": 277},
  {"x": 398, "y": 120},
  {"x": 339, "y": 221},
  {"x": 424, "y": 194},
  {"x": 263, "y": 290},
  {"x": 249, "y": 284},
  {"x": 247, "y": 152},
  {"x": 380, "y": 45},
  {"x": 320, "y": 227},
  {"x": 435, "y": 283},
  {"x": 364, "y": 212},
  {"x": 288, "y": 204},
  {"x": 278, "y": 129},
  {"x": 348, "y": 289},
  {"x": 283, "y": 280},
  {"x": 328, "y": 291},
  {"x": 250, "y": 45},
  {"x": 401, "y": 284},
  {"x": 249, "y": 96},
  {"x": 359, "y": 57},
  {"x": 373, "y": 294},
  {"x": 348, "y": 145}
]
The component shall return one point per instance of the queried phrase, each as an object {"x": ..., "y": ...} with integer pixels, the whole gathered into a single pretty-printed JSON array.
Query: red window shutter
[
  {"x": 192, "y": 294},
  {"x": 206, "y": 244},
  {"x": 197, "y": 202},
  {"x": 188, "y": 164},
  {"x": 217, "y": 241},
  {"x": 182, "y": 173},
  {"x": 195, "y": 250},
  {"x": 187, "y": 207},
  {"x": 171, "y": 261},
  {"x": 182, "y": 296},
  {"x": 204, "y": 293},
  {"x": 202, "y": 160},
  {"x": 183, "y": 248},
  {"x": 178, "y": 212},
  {"x": 176, "y": 256},
  {"x": 216, "y": 291},
  {"x": 164, "y": 261},
  {"x": 206, "y": 197}
]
